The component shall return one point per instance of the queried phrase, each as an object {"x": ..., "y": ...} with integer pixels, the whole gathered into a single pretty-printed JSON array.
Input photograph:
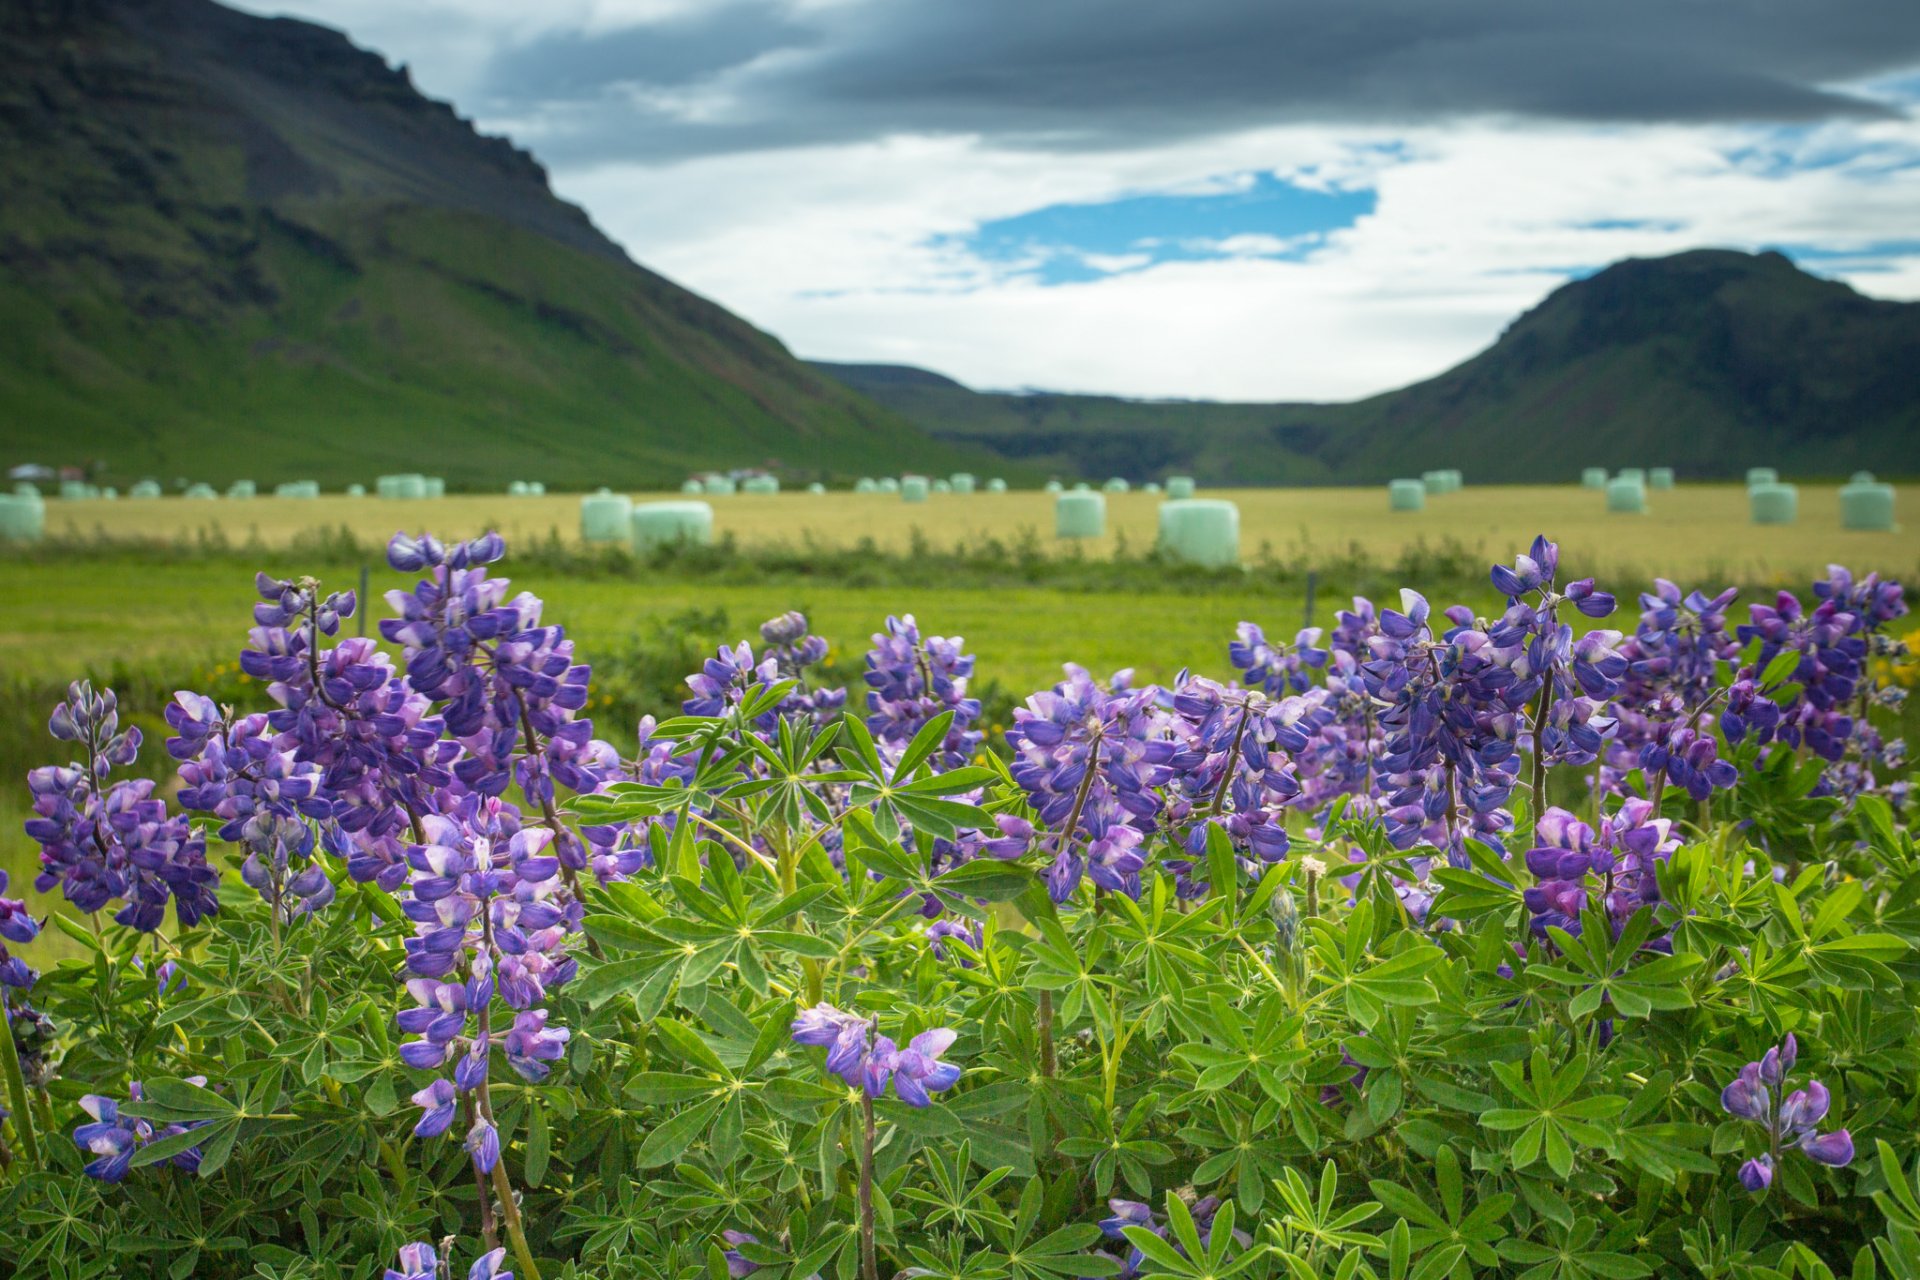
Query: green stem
[
  {"x": 17, "y": 1091},
  {"x": 869, "y": 1263}
]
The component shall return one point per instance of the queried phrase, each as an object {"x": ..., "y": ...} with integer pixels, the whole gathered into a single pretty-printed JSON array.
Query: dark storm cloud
[{"x": 1098, "y": 73}]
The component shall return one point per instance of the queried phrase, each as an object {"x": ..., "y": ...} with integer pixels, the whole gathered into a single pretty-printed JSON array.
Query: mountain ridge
[
  {"x": 244, "y": 247},
  {"x": 1710, "y": 360}
]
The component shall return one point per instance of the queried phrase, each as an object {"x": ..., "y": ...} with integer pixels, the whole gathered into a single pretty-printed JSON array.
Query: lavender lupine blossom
[
  {"x": 103, "y": 841},
  {"x": 490, "y": 918},
  {"x": 1758, "y": 1094},
  {"x": 1623, "y": 854},
  {"x": 868, "y": 1062},
  {"x": 112, "y": 1139},
  {"x": 265, "y": 794},
  {"x": 1132, "y": 1213},
  {"x": 1676, "y": 658},
  {"x": 18, "y": 926},
  {"x": 793, "y": 648},
  {"x": 418, "y": 1261},
  {"x": 508, "y": 685},
  {"x": 1090, "y": 760},
  {"x": 910, "y": 681},
  {"x": 1276, "y": 670},
  {"x": 344, "y": 711}
]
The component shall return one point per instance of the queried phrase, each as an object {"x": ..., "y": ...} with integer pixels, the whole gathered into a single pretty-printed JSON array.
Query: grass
[{"x": 1699, "y": 533}]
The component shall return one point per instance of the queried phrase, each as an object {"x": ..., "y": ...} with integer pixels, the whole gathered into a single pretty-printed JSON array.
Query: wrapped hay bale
[
  {"x": 1626, "y": 495},
  {"x": 605, "y": 517},
  {"x": 1202, "y": 531},
  {"x": 1867, "y": 506},
  {"x": 1761, "y": 475},
  {"x": 1179, "y": 486},
  {"x": 23, "y": 517},
  {"x": 1660, "y": 477},
  {"x": 1407, "y": 495},
  {"x": 1080, "y": 514},
  {"x": 1774, "y": 503},
  {"x": 661, "y": 524},
  {"x": 914, "y": 488},
  {"x": 1593, "y": 478},
  {"x": 996, "y": 485}
]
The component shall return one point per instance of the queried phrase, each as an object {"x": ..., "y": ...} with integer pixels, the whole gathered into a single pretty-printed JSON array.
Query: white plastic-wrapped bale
[
  {"x": 435, "y": 487},
  {"x": 1202, "y": 531},
  {"x": 1179, "y": 486},
  {"x": 1761, "y": 475},
  {"x": 1659, "y": 477},
  {"x": 386, "y": 486},
  {"x": 1455, "y": 480},
  {"x": 201, "y": 492},
  {"x": 516, "y": 488},
  {"x": 1054, "y": 486},
  {"x": 1626, "y": 495},
  {"x": 865, "y": 484},
  {"x": 692, "y": 486},
  {"x": 1593, "y": 478},
  {"x": 996, "y": 485},
  {"x": 73, "y": 490},
  {"x": 889, "y": 484},
  {"x": 1774, "y": 503},
  {"x": 23, "y": 517},
  {"x": 1081, "y": 486},
  {"x": 356, "y": 490},
  {"x": 242, "y": 489},
  {"x": 145, "y": 489},
  {"x": 296, "y": 489},
  {"x": 409, "y": 485},
  {"x": 1638, "y": 474},
  {"x": 816, "y": 488},
  {"x": 110, "y": 493},
  {"x": 913, "y": 488},
  {"x": 1867, "y": 505},
  {"x": 27, "y": 489},
  {"x": 942, "y": 486},
  {"x": 720, "y": 486},
  {"x": 665, "y": 524},
  {"x": 536, "y": 488},
  {"x": 1406, "y": 495},
  {"x": 1435, "y": 482},
  {"x": 1080, "y": 514},
  {"x": 1151, "y": 486},
  {"x": 1861, "y": 477},
  {"x": 1116, "y": 485},
  {"x": 761, "y": 484},
  {"x": 962, "y": 482},
  {"x": 605, "y": 516}
]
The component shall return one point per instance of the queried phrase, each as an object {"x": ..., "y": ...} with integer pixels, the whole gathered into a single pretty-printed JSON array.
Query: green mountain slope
[
  {"x": 1708, "y": 361},
  {"x": 233, "y": 246}
]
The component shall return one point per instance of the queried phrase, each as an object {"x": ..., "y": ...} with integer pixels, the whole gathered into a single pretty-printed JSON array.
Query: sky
[{"x": 1221, "y": 199}]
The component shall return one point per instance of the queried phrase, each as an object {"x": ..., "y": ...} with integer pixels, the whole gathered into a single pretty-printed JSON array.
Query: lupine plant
[{"x": 1430, "y": 945}]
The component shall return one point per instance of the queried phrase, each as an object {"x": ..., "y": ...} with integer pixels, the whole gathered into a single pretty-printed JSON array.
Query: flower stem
[
  {"x": 1048, "y": 1063},
  {"x": 869, "y": 1264},
  {"x": 17, "y": 1090},
  {"x": 1537, "y": 788}
]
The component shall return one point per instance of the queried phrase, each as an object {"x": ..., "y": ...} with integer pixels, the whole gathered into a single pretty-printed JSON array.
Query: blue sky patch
[{"x": 1259, "y": 216}]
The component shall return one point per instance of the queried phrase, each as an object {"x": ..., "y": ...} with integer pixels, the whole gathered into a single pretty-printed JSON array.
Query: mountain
[
  {"x": 1708, "y": 361},
  {"x": 236, "y": 247}
]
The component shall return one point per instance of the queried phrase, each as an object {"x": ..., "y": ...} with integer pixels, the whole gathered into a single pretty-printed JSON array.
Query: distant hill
[
  {"x": 1708, "y": 361},
  {"x": 242, "y": 247}
]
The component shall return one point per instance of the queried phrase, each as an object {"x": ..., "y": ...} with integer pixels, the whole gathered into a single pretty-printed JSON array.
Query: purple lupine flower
[
  {"x": 1624, "y": 854},
  {"x": 917, "y": 1069},
  {"x": 491, "y": 921},
  {"x": 112, "y": 1138},
  {"x": 17, "y": 925},
  {"x": 965, "y": 931},
  {"x": 417, "y": 1262},
  {"x": 483, "y": 1144},
  {"x": 845, "y": 1037},
  {"x": 1758, "y": 1094},
  {"x": 104, "y": 841},
  {"x": 737, "y": 1265},
  {"x": 910, "y": 681},
  {"x": 792, "y": 649}
]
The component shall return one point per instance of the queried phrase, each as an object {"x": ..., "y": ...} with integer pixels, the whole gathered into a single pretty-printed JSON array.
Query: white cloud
[{"x": 856, "y": 252}]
